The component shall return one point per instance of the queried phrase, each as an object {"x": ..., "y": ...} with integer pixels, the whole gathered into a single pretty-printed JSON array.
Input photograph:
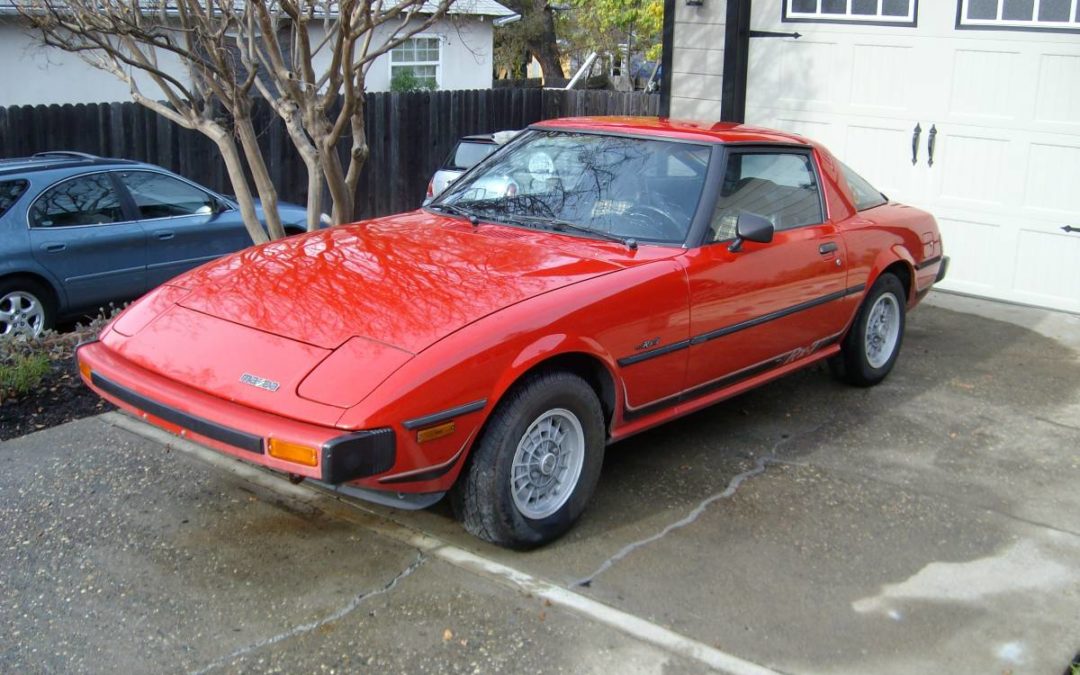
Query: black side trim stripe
[
  {"x": 198, "y": 425},
  {"x": 445, "y": 415},
  {"x": 645, "y": 356},
  {"x": 723, "y": 382},
  {"x": 928, "y": 262},
  {"x": 743, "y": 325}
]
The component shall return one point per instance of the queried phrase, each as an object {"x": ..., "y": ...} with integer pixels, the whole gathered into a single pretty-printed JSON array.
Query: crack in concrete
[
  {"x": 729, "y": 491},
  {"x": 421, "y": 558}
]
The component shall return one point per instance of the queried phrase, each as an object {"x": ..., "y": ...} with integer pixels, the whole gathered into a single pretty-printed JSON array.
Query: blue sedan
[{"x": 78, "y": 232}]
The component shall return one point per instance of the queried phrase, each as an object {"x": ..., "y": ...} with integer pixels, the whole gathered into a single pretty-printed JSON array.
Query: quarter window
[
  {"x": 86, "y": 200},
  {"x": 866, "y": 195},
  {"x": 901, "y": 12},
  {"x": 779, "y": 186},
  {"x": 1032, "y": 14},
  {"x": 159, "y": 196},
  {"x": 419, "y": 56},
  {"x": 10, "y": 191}
]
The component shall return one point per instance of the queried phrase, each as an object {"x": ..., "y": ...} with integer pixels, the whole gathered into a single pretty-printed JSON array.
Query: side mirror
[{"x": 751, "y": 227}]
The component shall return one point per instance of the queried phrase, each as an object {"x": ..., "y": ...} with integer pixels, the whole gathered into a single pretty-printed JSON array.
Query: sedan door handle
[
  {"x": 53, "y": 248},
  {"x": 165, "y": 234},
  {"x": 829, "y": 247}
]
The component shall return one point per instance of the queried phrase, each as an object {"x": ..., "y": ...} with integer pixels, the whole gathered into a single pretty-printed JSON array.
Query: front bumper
[{"x": 230, "y": 427}]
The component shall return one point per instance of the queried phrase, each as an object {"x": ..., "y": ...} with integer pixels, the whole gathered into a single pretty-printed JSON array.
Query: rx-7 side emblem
[
  {"x": 260, "y": 382},
  {"x": 648, "y": 343}
]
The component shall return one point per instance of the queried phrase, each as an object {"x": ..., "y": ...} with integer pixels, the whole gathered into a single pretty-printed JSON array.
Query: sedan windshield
[{"x": 578, "y": 182}]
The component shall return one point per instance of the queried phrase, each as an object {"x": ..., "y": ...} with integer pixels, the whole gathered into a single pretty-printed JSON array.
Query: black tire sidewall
[
  {"x": 548, "y": 392},
  {"x": 857, "y": 368}
]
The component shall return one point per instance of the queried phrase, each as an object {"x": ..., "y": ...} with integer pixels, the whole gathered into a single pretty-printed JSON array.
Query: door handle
[
  {"x": 1070, "y": 228},
  {"x": 931, "y": 141},
  {"x": 915, "y": 134},
  {"x": 53, "y": 248},
  {"x": 165, "y": 234},
  {"x": 829, "y": 247}
]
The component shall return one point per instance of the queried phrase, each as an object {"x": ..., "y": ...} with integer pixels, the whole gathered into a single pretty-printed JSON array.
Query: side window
[
  {"x": 866, "y": 196},
  {"x": 159, "y": 196},
  {"x": 10, "y": 191},
  {"x": 780, "y": 186},
  {"x": 86, "y": 200}
]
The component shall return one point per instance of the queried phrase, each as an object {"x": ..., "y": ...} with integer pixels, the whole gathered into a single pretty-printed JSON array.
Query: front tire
[
  {"x": 536, "y": 465},
  {"x": 870, "y": 348}
]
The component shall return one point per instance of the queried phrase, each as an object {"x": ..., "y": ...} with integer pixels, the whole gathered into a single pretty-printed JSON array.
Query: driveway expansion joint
[{"x": 421, "y": 558}]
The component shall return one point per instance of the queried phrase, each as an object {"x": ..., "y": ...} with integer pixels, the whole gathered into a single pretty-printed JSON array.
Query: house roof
[{"x": 460, "y": 7}]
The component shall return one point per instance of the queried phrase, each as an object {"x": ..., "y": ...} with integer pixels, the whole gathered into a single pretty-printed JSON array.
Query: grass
[{"x": 23, "y": 374}]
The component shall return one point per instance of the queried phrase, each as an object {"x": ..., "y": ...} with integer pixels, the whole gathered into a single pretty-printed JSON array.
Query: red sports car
[{"x": 593, "y": 278}]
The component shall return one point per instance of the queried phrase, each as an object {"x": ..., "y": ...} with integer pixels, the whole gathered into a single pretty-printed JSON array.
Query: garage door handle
[
  {"x": 827, "y": 248},
  {"x": 915, "y": 144},
  {"x": 1070, "y": 228},
  {"x": 165, "y": 234},
  {"x": 931, "y": 141},
  {"x": 53, "y": 248}
]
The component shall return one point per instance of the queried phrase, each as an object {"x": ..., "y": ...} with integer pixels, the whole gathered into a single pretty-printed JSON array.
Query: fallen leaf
[{"x": 447, "y": 635}]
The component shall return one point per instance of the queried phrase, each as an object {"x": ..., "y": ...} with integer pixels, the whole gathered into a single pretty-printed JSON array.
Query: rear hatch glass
[{"x": 467, "y": 153}]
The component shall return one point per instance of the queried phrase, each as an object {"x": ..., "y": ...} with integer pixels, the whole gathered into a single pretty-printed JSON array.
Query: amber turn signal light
[
  {"x": 84, "y": 370},
  {"x": 431, "y": 433},
  {"x": 292, "y": 452}
]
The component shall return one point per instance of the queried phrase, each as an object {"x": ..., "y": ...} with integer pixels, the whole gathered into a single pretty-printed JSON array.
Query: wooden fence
[{"x": 409, "y": 135}]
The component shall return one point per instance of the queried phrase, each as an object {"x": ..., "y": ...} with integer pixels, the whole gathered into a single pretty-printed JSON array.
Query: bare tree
[{"x": 209, "y": 58}]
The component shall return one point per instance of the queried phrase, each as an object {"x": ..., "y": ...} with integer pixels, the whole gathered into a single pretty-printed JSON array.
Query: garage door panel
[
  {"x": 972, "y": 169},
  {"x": 1053, "y": 172},
  {"x": 973, "y": 248},
  {"x": 808, "y": 74},
  {"x": 881, "y": 75},
  {"x": 1046, "y": 266},
  {"x": 985, "y": 83},
  {"x": 880, "y": 151},
  {"x": 1058, "y": 94}
]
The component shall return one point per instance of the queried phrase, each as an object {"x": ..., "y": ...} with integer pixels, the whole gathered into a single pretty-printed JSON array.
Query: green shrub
[
  {"x": 23, "y": 374},
  {"x": 405, "y": 81}
]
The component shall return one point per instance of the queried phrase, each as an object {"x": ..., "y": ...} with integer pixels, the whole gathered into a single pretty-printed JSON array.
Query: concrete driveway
[{"x": 931, "y": 524}]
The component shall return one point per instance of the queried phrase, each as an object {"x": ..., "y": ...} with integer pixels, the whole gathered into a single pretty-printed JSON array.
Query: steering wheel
[{"x": 650, "y": 218}]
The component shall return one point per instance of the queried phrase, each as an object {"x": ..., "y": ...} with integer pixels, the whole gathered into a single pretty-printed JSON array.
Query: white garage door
[{"x": 994, "y": 88}]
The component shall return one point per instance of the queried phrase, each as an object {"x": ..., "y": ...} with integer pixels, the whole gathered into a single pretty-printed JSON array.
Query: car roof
[
  {"x": 687, "y": 130},
  {"x": 58, "y": 159}
]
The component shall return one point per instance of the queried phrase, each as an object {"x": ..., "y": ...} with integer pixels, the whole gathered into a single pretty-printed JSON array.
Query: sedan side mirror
[{"x": 751, "y": 227}]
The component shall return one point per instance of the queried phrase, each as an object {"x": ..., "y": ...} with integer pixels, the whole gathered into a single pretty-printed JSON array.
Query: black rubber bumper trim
[
  {"x": 358, "y": 455},
  {"x": 928, "y": 262},
  {"x": 198, "y": 425},
  {"x": 435, "y": 418},
  {"x": 943, "y": 270}
]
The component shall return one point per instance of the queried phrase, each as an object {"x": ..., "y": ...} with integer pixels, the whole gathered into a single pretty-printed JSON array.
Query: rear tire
[
  {"x": 536, "y": 465},
  {"x": 26, "y": 308},
  {"x": 870, "y": 348}
]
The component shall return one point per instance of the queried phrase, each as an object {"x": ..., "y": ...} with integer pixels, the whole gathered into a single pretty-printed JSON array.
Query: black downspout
[
  {"x": 736, "y": 56},
  {"x": 666, "y": 57}
]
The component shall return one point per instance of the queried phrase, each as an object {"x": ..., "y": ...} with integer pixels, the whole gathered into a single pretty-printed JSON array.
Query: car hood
[{"x": 404, "y": 281}]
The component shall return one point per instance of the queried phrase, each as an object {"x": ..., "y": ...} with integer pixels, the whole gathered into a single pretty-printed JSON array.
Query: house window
[
  {"x": 1020, "y": 14},
  {"x": 419, "y": 56},
  {"x": 882, "y": 12}
]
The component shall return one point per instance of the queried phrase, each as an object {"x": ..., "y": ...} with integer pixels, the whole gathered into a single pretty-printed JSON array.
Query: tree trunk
[
  {"x": 545, "y": 48},
  {"x": 265, "y": 186},
  {"x": 235, "y": 167},
  {"x": 314, "y": 196}
]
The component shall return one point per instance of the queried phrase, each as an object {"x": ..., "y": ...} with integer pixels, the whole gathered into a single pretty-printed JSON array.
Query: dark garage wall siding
[{"x": 409, "y": 135}]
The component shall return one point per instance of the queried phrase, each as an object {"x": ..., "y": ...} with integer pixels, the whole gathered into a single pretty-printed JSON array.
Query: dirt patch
[{"x": 61, "y": 397}]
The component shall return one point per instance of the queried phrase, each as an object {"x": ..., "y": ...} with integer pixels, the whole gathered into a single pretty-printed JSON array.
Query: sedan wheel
[
  {"x": 536, "y": 464},
  {"x": 870, "y": 348},
  {"x": 22, "y": 313}
]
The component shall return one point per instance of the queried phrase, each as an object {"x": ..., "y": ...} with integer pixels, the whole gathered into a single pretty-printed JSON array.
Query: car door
[
  {"x": 765, "y": 304},
  {"x": 82, "y": 233},
  {"x": 185, "y": 224}
]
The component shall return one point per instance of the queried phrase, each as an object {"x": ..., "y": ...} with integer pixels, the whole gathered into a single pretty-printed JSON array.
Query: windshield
[{"x": 613, "y": 185}]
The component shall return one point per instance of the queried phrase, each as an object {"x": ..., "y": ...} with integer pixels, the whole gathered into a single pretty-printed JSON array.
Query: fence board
[{"x": 408, "y": 136}]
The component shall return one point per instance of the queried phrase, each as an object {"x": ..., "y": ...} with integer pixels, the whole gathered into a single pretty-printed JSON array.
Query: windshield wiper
[
  {"x": 566, "y": 226},
  {"x": 457, "y": 211}
]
